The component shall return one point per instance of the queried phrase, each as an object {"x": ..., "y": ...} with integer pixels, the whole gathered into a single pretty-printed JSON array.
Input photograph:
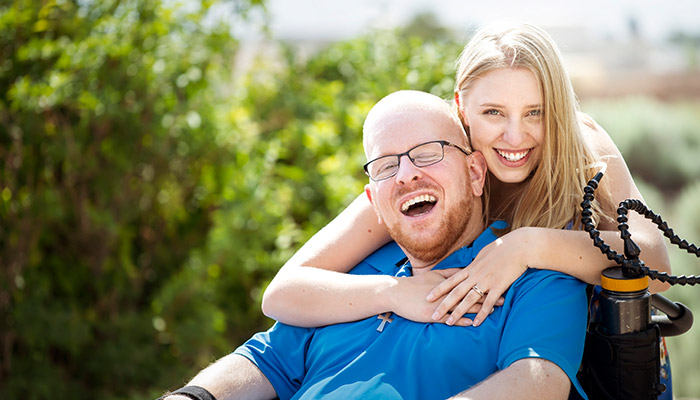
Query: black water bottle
[
  {"x": 622, "y": 351},
  {"x": 625, "y": 303}
]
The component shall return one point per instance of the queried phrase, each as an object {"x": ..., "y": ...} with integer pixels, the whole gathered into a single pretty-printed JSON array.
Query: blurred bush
[{"x": 109, "y": 179}]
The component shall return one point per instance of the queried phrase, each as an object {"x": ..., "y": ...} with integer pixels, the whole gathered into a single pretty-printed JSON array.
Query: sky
[{"x": 338, "y": 19}]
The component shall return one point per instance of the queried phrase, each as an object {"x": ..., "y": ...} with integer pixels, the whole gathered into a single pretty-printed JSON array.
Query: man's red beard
[{"x": 452, "y": 227}]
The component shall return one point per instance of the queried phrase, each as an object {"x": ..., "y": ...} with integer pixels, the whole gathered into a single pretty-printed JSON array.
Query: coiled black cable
[{"x": 630, "y": 263}]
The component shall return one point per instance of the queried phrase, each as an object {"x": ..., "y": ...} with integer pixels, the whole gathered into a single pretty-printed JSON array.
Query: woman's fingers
[
  {"x": 452, "y": 299},
  {"x": 471, "y": 303},
  {"x": 490, "y": 301},
  {"x": 475, "y": 309},
  {"x": 464, "y": 321},
  {"x": 471, "y": 299},
  {"x": 447, "y": 285}
]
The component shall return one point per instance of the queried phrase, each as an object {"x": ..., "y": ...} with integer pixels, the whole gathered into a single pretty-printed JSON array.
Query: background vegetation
[{"x": 147, "y": 195}]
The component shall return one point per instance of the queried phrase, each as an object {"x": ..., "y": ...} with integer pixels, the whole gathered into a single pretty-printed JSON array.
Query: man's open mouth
[{"x": 418, "y": 205}]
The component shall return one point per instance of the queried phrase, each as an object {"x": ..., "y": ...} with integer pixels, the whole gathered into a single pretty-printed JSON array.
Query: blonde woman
[{"x": 519, "y": 109}]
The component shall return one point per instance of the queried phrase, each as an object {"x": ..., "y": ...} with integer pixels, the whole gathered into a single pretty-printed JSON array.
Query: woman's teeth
[
  {"x": 513, "y": 157},
  {"x": 418, "y": 199}
]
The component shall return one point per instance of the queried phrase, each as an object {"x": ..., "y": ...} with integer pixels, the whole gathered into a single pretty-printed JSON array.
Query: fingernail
[
  {"x": 450, "y": 321},
  {"x": 477, "y": 322},
  {"x": 429, "y": 297},
  {"x": 436, "y": 316}
]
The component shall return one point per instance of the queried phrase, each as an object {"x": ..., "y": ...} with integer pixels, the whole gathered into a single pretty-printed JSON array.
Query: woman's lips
[{"x": 513, "y": 156}]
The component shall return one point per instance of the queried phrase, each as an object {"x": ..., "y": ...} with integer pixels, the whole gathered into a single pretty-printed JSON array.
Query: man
[{"x": 425, "y": 186}]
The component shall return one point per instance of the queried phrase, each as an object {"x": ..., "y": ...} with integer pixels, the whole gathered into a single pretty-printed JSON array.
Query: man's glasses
[{"x": 423, "y": 155}]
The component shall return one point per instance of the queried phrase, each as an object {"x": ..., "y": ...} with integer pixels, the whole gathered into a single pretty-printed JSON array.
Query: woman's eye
[
  {"x": 491, "y": 112},
  {"x": 535, "y": 113}
]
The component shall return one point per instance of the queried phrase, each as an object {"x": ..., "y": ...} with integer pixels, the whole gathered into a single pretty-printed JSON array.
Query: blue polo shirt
[{"x": 389, "y": 357}]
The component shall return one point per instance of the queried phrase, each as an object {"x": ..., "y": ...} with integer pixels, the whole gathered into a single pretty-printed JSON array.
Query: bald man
[{"x": 425, "y": 186}]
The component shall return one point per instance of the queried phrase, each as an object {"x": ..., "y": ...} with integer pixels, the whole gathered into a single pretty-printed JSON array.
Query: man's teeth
[
  {"x": 513, "y": 157},
  {"x": 418, "y": 199}
]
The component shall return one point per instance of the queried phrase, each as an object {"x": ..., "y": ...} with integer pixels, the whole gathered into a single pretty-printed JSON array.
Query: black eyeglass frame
[{"x": 443, "y": 143}]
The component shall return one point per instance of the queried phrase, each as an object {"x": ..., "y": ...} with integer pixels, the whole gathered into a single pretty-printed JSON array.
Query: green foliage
[{"x": 108, "y": 180}]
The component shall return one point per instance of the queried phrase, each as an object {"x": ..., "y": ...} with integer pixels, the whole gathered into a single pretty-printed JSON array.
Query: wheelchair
[{"x": 621, "y": 357}]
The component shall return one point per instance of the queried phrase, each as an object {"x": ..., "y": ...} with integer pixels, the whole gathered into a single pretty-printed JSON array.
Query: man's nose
[{"x": 407, "y": 171}]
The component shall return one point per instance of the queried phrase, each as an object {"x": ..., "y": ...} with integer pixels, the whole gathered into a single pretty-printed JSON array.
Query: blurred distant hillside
[{"x": 600, "y": 66}]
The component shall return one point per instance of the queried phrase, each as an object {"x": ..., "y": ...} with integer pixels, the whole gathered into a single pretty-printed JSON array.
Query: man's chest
[{"x": 390, "y": 345}]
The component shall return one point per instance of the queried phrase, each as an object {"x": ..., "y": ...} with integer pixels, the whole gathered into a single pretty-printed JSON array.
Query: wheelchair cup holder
[
  {"x": 677, "y": 319},
  {"x": 621, "y": 356}
]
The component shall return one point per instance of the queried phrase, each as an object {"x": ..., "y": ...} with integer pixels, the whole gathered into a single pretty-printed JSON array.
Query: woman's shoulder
[
  {"x": 586, "y": 122},
  {"x": 595, "y": 136}
]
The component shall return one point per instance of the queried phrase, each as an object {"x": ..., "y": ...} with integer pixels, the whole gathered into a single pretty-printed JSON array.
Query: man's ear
[
  {"x": 459, "y": 109},
  {"x": 477, "y": 172},
  {"x": 368, "y": 192}
]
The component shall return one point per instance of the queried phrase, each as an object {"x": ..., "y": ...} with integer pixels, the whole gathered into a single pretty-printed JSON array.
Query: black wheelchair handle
[{"x": 678, "y": 318}]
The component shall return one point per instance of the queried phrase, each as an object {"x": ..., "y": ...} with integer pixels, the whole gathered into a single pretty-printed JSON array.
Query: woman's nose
[{"x": 514, "y": 133}]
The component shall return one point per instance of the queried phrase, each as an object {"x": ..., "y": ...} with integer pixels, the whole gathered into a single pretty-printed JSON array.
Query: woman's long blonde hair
[{"x": 552, "y": 194}]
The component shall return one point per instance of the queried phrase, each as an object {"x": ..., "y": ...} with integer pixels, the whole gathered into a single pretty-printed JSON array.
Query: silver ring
[{"x": 478, "y": 291}]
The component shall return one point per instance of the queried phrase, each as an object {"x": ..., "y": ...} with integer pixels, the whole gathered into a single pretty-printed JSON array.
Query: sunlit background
[
  {"x": 636, "y": 69},
  {"x": 162, "y": 159}
]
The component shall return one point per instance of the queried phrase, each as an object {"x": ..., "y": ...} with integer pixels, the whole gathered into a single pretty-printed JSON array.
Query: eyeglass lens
[{"x": 422, "y": 155}]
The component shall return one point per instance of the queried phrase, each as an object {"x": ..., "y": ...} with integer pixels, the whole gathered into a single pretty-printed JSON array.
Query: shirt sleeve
[
  {"x": 279, "y": 353},
  {"x": 548, "y": 320}
]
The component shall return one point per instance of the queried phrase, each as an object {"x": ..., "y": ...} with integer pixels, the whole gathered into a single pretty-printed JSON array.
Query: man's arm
[
  {"x": 232, "y": 377},
  {"x": 527, "y": 378}
]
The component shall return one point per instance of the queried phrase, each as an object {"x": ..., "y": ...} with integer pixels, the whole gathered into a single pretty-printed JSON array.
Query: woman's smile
[{"x": 503, "y": 110}]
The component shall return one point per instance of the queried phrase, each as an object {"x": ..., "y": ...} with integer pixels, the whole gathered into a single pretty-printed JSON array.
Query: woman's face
[{"x": 504, "y": 112}]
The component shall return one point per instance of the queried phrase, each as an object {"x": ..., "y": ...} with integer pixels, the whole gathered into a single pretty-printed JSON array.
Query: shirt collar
[{"x": 464, "y": 256}]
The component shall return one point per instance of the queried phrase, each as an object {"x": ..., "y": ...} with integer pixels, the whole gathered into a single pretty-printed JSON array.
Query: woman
[{"x": 519, "y": 109}]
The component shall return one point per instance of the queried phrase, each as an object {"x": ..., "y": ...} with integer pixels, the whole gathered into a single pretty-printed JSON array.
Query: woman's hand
[
  {"x": 409, "y": 298},
  {"x": 492, "y": 272}
]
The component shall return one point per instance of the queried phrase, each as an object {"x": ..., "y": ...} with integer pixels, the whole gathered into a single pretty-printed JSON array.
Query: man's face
[{"x": 426, "y": 210}]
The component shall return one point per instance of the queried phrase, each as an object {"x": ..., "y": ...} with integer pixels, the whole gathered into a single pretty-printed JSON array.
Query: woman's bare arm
[
  {"x": 313, "y": 289},
  {"x": 498, "y": 265}
]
